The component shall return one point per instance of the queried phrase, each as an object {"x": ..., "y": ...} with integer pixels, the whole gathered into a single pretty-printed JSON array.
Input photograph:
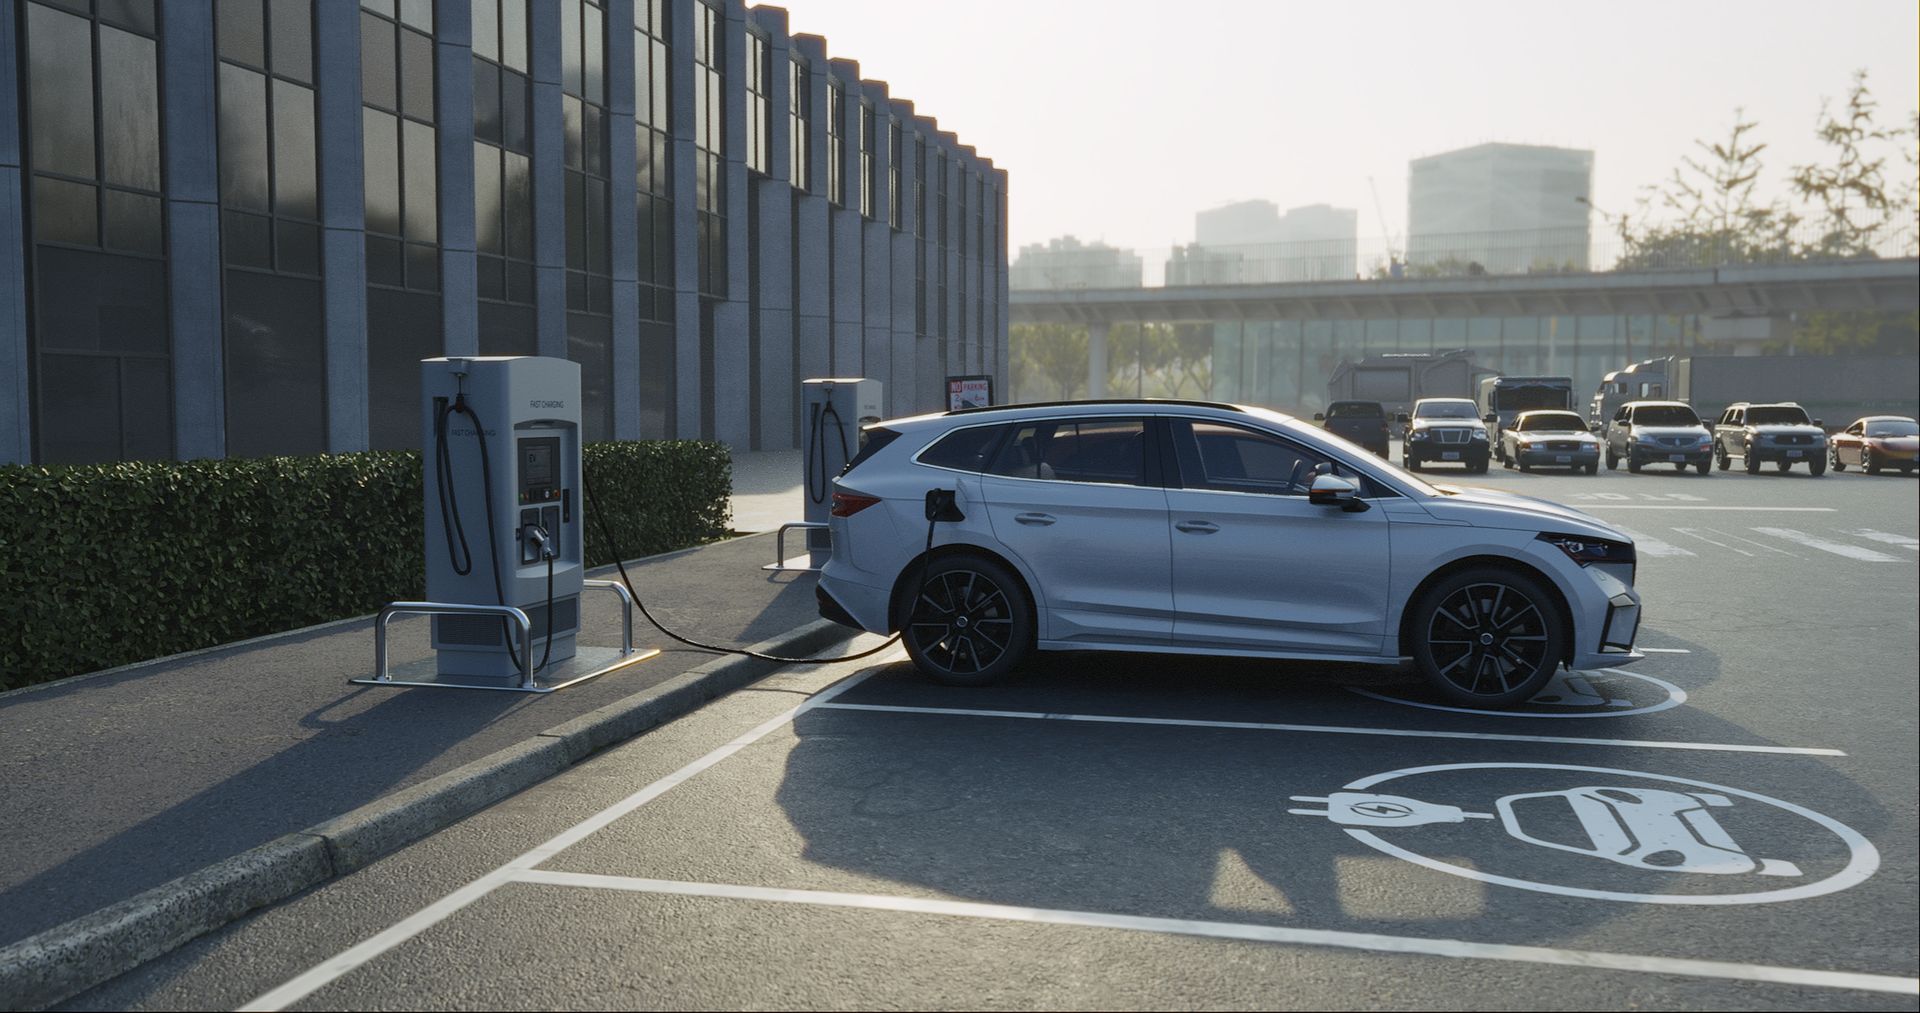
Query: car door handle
[
  {"x": 1039, "y": 519},
  {"x": 1197, "y": 527}
]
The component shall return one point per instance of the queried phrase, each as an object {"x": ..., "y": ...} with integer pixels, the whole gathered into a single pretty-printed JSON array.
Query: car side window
[
  {"x": 1228, "y": 458},
  {"x": 963, "y": 449},
  {"x": 1108, "y": 451},
  {"x": 1621, "y": 415},
  {"x": 1857, "y": 428}
]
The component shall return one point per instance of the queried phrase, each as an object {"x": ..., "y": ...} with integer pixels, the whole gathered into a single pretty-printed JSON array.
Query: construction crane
[{"x": 1393, "y": 240}]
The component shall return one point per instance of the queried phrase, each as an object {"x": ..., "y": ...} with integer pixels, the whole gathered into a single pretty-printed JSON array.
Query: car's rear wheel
[
  {"x": 1817, "y": 467},
  {"x": 1752, "y": 463},
  {"x": 969, "y": 623},
  {"x": 1872, "y": 466},
  {"x": 1613, "y": 459},
  {"x": 1487, "y": 637},
  {"x": 1634, "y": 464},
  {"x": 1702, "y": 466}
]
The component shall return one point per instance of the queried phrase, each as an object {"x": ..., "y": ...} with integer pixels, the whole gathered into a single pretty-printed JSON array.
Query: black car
[{"x": 1362, "y": 422}]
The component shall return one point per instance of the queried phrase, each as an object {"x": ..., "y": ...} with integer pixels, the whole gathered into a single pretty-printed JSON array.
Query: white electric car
[{"x": 1199, "y": 528}]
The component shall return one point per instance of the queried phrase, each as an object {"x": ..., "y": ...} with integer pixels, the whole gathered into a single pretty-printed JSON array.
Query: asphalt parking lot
[{"x": 1729, "y": 823}]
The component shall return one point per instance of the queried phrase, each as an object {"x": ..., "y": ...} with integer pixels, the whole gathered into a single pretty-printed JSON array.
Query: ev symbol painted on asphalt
[
  {"x": 1604, "y": 693},
  {"x": 1601, "y": 833}
]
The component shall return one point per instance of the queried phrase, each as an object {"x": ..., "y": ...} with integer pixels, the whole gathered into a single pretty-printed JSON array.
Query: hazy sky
[{"x": 1118, "y": 119}]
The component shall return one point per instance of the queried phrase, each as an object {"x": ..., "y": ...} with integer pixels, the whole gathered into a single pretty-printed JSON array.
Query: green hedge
[{"x": 102, "y": 565}]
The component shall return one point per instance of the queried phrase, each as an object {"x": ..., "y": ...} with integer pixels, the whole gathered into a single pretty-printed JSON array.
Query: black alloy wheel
[
  {"x": 1487, "y": 638},
  {"x": 1834, "y": 452},
  {"x": 1720, "y": 457},
  {"x": 970, "y": 623}
]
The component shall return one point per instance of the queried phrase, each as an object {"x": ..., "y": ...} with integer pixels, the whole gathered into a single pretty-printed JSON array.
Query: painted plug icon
[{"x": 1366, "y": 809}]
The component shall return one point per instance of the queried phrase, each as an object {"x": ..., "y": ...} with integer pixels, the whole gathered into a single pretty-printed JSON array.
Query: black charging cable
[
  {"x": 606, "y": 536},
  {"x": 817, "y": 451}
]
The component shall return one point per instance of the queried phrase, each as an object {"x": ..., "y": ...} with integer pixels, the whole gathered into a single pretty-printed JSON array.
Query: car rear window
[
  {"x": 963, "y": 449},
  {"x": 872, "y": 440}
]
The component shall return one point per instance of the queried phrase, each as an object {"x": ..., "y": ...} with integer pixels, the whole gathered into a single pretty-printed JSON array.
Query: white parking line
[
  {"x": 1263, "y": 726},
  {"x": 1663, "y": 650},
  {"x": 1837, "y": 548},
  {"x": 1653, "y": 546},
  {"x": 331, "y": 970},
  {"x": 1691, "y": 533},
  {"x": 1904, "y": 541},
  {"x": 1368, "y": 941},
  {"x": 1749, "y": 541}
]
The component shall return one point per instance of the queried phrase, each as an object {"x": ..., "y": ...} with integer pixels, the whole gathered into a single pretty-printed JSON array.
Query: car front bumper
[
  {"x": 1432, "y": 452},
  {"x": 1543, "y": 458},
  {"x": 1676, "y": 455}
]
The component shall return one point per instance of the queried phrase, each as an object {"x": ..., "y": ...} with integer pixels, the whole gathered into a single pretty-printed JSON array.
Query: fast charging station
[
  {"x": 832, "y": 412},
  {"x": 505, "y": 509}
]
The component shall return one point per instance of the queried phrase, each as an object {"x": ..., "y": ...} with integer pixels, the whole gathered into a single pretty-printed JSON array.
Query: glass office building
[{"x": 235, "y": 227}]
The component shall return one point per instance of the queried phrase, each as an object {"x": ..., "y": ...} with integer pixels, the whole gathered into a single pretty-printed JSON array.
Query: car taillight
[{"x": 846, "y": 504}]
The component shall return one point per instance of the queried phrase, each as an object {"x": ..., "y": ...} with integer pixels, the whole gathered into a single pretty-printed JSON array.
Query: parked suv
[
  {"x": 1758, "y": 433},
  {"x": 1446, "y": 429},
  {"x": 1363, "y": 422},
  {"x": 1667, "y": 432},
  {"x": 984, "y": 535}
]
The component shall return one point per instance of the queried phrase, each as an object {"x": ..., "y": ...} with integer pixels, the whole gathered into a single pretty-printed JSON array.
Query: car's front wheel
[
  {"x": 1486, "y": 637},
  {"x": 969, "y": 622},
  {"x": 1838, "y": 464}
]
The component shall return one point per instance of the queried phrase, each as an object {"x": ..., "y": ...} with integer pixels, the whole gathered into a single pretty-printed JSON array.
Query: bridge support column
[{"x": 1096, "y": 361}]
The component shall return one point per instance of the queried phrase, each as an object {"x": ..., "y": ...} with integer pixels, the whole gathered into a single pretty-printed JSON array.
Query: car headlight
[
  {"x": 1587, "y": 551},
  {"x": 1418, "y": 434},
  {"x": 1479, "y": 434},
  {"x": 1638, "y": 438}
]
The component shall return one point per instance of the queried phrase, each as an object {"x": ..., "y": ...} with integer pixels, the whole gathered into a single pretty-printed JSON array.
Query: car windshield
[
  {"x": 1894, "y": 427},
  {"x": 1556, "y": 422},
  {"x": 1665, "y": 415},
  {"x": 1354, "y": 409},
  {"x": 1777, "y": 415},
  {"x": 1509, "y": 399},
  {"x": 1444, "y": 410}
]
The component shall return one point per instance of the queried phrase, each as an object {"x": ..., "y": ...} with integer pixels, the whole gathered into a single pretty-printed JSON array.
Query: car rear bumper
[{"x": 851, "y": 602}]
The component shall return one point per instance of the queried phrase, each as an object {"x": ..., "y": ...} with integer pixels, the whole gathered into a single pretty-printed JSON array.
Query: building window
[
  {"x": 397, "y": 93},
  {"x": 274, "y": 348},
  {"x": 710, "y": 182},
  {"x": 587, "y": 189},
  {"x": 836, "y": 143},
  {"x": 99, "y": 343},
  {"x": 799, "y": 122},
  {"x": 759, "y": 106},
  {"x": 503, "y": 171},
  {"x": 398, "y": 82},
  {"x": 893, "y": 173},
  {"x": 653, "y": 160},
  {"x": 940, "y": 242},
  {"x": 866, "y": 180}
]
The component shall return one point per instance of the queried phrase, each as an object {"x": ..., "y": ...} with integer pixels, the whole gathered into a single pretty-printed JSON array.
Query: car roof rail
[{"x": 1085, "y": 402}]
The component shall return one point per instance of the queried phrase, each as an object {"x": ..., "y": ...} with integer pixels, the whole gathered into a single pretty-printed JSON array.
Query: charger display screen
[{"x": 539, "y": 469}]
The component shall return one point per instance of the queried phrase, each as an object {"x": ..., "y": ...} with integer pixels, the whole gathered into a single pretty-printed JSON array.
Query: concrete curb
[{"x": 77, "y": 955}]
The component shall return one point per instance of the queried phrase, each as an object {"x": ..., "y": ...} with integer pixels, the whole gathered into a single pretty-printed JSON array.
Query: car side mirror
[
  {"x": 1593, "y": 427},
  {"x": 1822, "y": 423},
  {"x": 1332, "y": 490},
  {"x": 1400, "y": 417},
  {"x": 1490, "y": 418},
  {"x": 1319, "y": 416}
]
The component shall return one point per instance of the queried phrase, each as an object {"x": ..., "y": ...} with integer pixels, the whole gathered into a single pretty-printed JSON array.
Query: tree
[
  {"x": 1718, "y": 220},
  {"x": 1858, "y": 206},
  {"x": 1049, "y": 362}
]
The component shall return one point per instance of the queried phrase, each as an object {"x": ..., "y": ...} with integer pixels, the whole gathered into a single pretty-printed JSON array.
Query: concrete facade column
[
  {"x": 192, "y": 169},
  {"x": 773, "y": 239},
  {"x": 1097, "y": 359},
  {"x": 955, "y": 345},
  {"x": 813, "y": 292},
  {"x": 849, "y": 339},
  {"x": 343, "y": 217},
  {"x": 16, "y": 403},
  {"x": 453, "y": 149},
  {"x": 623, "y": 228},
  {"x": 549, "y": 181},
  {"x": 688, "y": 396},
  {"x": 1003, "y": 341},
  {"x": 929, "y": 356},
  {"x": 733, "y": 408}
]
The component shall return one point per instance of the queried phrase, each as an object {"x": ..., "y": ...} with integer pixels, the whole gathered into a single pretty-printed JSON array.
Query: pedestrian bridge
[{"x": 1734, "y": 291}]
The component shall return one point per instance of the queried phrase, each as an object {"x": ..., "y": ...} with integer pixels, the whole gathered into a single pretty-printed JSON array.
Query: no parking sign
[{"x": 969, "y": 392}]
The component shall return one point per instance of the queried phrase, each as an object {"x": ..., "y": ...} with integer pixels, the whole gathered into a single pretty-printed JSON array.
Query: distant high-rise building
[
  {"x": 1250, "y": 242},
  {"x": 1506, "y": 208},
  {"x": 1066, "y": 262}
]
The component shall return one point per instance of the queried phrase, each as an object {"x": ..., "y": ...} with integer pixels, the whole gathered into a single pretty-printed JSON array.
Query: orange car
[{"x": 1876, "y": 442}]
